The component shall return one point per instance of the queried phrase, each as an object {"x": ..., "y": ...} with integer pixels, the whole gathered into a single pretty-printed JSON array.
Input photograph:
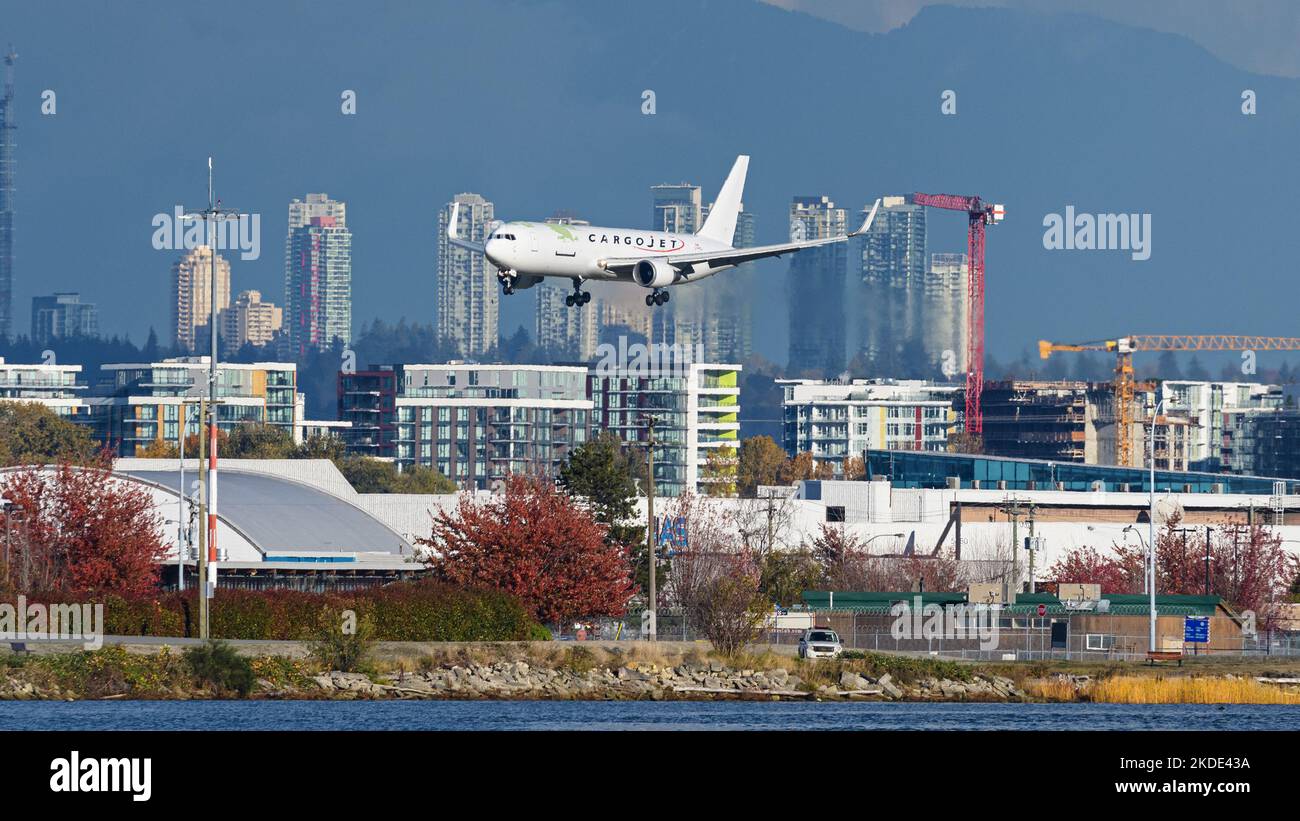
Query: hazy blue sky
[
  {"x": 1258, "y": 35},
  {"x": 537, "y": 105}
]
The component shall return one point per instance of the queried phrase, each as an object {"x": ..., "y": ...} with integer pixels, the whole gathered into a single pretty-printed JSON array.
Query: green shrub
[
  {"x": 343, "y": 640},
  {"x": 538, "y": 632},
  {"x": 281, "y": 671},
  {"x": 217, "y": 665},
  {"x": 112, "y": 671},
  {"x": 423, "y": 610},
  {"x": 406, "y": 611},
  {"x": 579, "y": 660}
]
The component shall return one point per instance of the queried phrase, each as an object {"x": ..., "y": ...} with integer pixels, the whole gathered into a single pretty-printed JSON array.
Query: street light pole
[
  {"x": 1151, "y": 529},
  {"x": 868, "y": 542},
  {"x": 181, "y": 547},
  {"x": 213, "y": 215}
]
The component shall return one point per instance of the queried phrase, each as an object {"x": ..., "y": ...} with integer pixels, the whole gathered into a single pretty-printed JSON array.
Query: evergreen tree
[{"x": 604, "y": 472}]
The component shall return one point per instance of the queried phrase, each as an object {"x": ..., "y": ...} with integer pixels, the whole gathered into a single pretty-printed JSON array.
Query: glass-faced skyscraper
[
  {"x": 63, "y": 316},
  {"x": 676, "y": 208},
  {"x": 715, "y": 313},
  {"x": 192, "y": 297},
  {"x": 7, "y": 127},
  {"x": 467, "y": 297},
  {"x": 318, "y": 293},
  {"x": 891, "y": 298},
  {"x": 317, "y": 274},
  {"x": 816, "y": 289}
]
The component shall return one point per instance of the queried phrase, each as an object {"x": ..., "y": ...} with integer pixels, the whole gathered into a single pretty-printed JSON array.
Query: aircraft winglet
[
  {"x": 453, "y": 232},
  {"x": 866, "y": 224},
  {"x": 453, "y": 224}
]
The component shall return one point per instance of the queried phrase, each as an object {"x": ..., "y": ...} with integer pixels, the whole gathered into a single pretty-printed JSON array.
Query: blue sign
[
  {"x": 671, "y": 533},
  {"x": 1196, "y": 629}
]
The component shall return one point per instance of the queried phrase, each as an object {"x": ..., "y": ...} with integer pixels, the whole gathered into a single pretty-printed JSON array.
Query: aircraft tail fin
[{"x": 721, "y": 224}]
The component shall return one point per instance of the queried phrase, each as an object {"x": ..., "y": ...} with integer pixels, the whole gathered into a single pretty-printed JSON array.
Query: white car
[{"x": 820, "y": 643}]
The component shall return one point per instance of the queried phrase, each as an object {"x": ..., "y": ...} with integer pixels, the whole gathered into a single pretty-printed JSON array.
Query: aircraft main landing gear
[
  {"x": 579, "y": 297},
  {"x": 659, "y": 297}
]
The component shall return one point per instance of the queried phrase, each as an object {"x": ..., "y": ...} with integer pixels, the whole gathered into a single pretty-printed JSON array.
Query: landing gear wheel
[
  {"x": 507, "y": 280},
  {"x": 650, "y": 300},
  {"x": 578, "y": 297},
  {"x": 661, "y": 298}
]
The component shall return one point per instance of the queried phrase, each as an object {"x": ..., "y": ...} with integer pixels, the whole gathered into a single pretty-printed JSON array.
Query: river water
[{"x": 632, "y": 715}]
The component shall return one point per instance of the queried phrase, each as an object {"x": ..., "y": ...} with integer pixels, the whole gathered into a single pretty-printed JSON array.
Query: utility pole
[
  {"x": 1033, "y": 548},
  {"x": 651, "y": 544},
  {"x": 768, "y": 546},
  {"x": 1014, "y": 509},
  {"x": 213, "y": 216},
  {"x": 1207, "y": 560}
]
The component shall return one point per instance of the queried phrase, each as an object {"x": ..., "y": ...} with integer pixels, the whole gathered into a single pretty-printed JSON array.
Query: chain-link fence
[{"x": 1095, "y": 637}]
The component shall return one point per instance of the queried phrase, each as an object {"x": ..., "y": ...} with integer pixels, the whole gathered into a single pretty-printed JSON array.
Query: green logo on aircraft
[{"x": 563, "y": 231}]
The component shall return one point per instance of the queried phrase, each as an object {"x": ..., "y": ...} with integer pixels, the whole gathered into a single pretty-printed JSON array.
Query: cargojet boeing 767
[{"x": 525, "y": 253}]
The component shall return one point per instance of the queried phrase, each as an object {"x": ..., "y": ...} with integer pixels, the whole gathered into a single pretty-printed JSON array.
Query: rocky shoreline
[
  {"x": 518, "y": 680},
  {"x": 700, "y": 681}
]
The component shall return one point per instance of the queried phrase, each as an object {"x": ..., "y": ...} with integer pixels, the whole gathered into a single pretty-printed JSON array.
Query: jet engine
[{"x": 654, "y": 273}]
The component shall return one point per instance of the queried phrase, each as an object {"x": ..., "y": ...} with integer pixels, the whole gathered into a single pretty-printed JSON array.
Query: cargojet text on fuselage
[{"x": 525, "y": 253}]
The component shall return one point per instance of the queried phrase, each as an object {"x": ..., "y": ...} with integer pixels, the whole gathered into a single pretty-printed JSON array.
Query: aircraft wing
[
  {"x": 453, "y": 232},
  {"x": 736, "y": 256}
]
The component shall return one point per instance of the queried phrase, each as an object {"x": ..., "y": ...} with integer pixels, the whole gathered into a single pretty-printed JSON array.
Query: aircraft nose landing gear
[
  {"x": 659, "y": 297},
  {"x": 507, "y": 280}
]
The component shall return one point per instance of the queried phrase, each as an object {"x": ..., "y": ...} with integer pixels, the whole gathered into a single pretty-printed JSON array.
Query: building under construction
[
  {"x": 1057, "y": 421},
  {"x": 1264, "y": 439}
]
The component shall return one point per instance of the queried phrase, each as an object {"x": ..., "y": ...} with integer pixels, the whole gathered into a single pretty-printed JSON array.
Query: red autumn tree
[
  {"x": 79, "y": 530},
  {"x": 536, "y": 543},
  {"x": 1088, "y": 565},
  {"x": 1248, "y": 567},
  {"x": 847, "y": 564}
]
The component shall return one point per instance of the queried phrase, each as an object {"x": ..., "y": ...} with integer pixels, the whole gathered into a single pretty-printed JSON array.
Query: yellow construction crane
[{"x": 1124, "y": 348}]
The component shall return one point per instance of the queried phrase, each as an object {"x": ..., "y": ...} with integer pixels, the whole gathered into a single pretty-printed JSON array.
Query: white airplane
[{"x": 525, "y": 253}]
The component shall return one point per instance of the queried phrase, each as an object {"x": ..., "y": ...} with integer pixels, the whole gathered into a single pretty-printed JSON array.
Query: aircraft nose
[{"x": 492, "y": 249}]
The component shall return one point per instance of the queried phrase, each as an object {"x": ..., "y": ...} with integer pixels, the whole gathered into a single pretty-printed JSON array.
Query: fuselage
[{"x": 547, "y": 249}]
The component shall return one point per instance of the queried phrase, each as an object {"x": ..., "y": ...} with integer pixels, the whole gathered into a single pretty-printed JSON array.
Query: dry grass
[
  {"x": 1188, "y": 690},
  {"x": 1052, "y": 689},
  {"x": 1163, "y": 690},
  {"x": 653, "y": 653}
]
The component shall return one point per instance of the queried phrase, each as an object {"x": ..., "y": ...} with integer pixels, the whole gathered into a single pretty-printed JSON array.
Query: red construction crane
[{"x": 980, "y": 214}]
